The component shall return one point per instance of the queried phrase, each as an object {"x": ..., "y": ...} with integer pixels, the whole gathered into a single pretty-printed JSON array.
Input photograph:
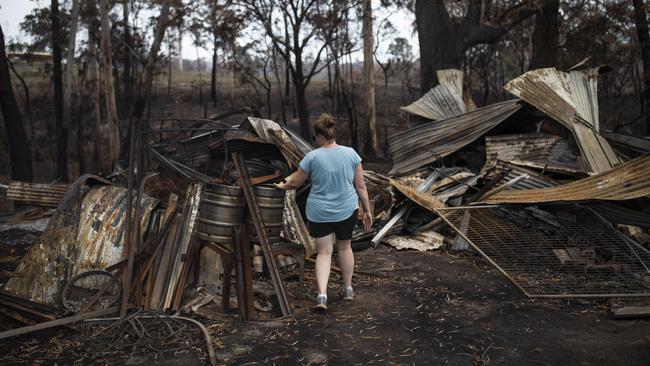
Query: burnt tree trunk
[
  {"x": 19, "y": 152},
  {"x": 369, "y": 80},
  {"x": 60, "y": 131},
  {"x": 443, "y": 40},
  {"x": 441, "y": 46},
  {"x": 69, "y": 122},
  {"x": 298, "y": 77},
  {"x": 127, "y": 74},
  {"x": 144, "y": 94},
  {"x": 641, "y": 22},
  {"x": 546, "y": 35},
  {"x": 213, "y": 76},
  {"x": 108, "y": 87}
]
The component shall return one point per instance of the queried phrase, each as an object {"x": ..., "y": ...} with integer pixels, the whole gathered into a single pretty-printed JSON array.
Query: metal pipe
[{"x": 505, "y": 186}]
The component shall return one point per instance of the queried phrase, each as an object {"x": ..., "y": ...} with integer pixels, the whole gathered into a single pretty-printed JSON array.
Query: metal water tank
[
  {"x": 271, "y": 203},
  {"x": 222, "y": 208}
]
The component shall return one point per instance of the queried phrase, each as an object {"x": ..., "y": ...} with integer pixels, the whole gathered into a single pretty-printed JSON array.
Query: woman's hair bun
[{"x": 326, "y": 126}]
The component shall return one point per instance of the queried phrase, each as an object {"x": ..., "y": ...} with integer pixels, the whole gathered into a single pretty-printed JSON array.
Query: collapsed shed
[{"x": 521, "y": 155}]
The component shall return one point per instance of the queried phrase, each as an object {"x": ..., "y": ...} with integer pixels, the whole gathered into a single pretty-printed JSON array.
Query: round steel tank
[
  {"x": 222, "y": 208},
  {"x": 271, "y": 203}
]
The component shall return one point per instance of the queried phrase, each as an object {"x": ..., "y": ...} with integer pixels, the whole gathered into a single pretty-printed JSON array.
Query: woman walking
[{"x": 337, "y": 185}]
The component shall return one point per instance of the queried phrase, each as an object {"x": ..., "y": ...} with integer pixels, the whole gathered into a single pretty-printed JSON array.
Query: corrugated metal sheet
[
  {"x": 47, "y": 195},
  {"x": 102, "y": 224},
  {"x": 86, "y": 232},
  {"x": 445, "y": 100},
  {"x": 429, "y": 142},
  {"x": 292, "y": 146},
  {"x": 596, "y": 151},
  {"x": 571, "y": 99},
  {"x": 546, "y": 150},
  {"x": 626, "y": 181}
]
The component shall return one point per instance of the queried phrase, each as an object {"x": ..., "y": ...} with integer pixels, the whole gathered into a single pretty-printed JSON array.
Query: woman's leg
[
  {"x": 346, "y": 261},
  {"x": 323, "y": 262}
]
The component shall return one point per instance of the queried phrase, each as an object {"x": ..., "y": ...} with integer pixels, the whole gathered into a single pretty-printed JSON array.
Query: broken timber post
[{"x": 251, "y": 201}]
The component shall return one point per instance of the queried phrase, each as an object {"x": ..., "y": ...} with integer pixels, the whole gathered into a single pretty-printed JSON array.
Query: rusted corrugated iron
[
  {"x": 269, "y": 131},
  {"x": 46, "y": 195},
  {"x": 549, "y": 151},
  {"x": 626, "y": 181},
  {"x": 427, "y": 143},
  {"x": 571, "y": 99},
  {"x": 443, "y": 101},
  {"x": 85, "y": 232},
  {"x": 101, "y": 227}
]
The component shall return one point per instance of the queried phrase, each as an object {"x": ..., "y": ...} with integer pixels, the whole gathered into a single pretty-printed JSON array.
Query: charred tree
[
  {"x": 127, "y": 74},
  {"x": 641, "y": 22},
  {"x": 369, "y": 79},
  {"x": 444, "y": 40},
  {"x": 107, "y": 79},
  {"x": 60, "y": 131},
  {"x": 144, "y": 90},
  {"x": 546, "y": 35},
  {"x": 19, "y": 152},
  {"x": 213, "y": 73},
  {"x": 68, "y": 122}
]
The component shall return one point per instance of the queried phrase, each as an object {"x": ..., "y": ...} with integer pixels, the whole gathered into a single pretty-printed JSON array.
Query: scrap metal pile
[
  {"x": 532, "y": 184},
  {"x": 166, "y": 231}
]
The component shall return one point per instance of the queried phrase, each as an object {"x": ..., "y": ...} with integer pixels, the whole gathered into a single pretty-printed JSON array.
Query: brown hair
[{"x": 325, "y": 126}]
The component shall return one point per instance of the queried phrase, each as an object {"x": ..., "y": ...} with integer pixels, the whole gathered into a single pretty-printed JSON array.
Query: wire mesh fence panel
[{"x": 555, "y": 250}]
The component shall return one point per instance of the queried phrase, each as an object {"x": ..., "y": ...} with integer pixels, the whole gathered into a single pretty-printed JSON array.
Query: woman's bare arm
[
  {"x": 294, "y": 181},
  {"x": 362, "y": 191}
]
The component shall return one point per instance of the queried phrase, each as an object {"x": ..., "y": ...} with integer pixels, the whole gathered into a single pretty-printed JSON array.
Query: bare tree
[
  {"x": 641, "y": 22},
  {"x": 127, "y": 73},
  {"x": 292, "y": 27},
  {"x": 146, "y": 79},
  {"x": 369, "y": 79},
  {"x": 19, "y": 152},
  {"x": 108, "y": 87},
  {"x": 61, "y": 133},
  {"x": 68, "y": 123},
  {"x": 546, "y": 35},
  {"x": 444, "y": 39}
]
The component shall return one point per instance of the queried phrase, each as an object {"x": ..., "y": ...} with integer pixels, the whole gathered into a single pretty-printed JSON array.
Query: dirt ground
[{"x": 410, "y": 308}]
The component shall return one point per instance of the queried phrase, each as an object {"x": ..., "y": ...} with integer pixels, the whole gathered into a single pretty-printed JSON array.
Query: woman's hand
[
  {"x": 282, "y": 185},
  {"x": 367, "y": 220}
]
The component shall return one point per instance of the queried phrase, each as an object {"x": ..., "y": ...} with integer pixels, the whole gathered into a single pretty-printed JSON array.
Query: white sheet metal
[{"x": 444, "y": 100}]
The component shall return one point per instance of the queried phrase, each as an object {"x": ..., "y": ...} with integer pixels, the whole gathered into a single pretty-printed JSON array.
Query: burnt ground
[{"x": 410, "y": 308}]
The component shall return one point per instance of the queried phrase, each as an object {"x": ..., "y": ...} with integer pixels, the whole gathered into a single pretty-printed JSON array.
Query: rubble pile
[{"x": 531, "y": 184}]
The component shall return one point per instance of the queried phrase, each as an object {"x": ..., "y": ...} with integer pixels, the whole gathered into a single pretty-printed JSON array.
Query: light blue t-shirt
[{"x": 333, "y": 196}]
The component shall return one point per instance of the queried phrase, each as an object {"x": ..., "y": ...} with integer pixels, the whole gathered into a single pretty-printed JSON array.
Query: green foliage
[{"x": 38, "y": 25}]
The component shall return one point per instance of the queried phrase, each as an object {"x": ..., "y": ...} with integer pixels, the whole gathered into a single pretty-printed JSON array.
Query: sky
[{"x": 12, "y": 13}]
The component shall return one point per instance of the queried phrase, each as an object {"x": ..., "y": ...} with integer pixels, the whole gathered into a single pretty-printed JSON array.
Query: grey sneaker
[
  {"x": 347, "y": 293},
  {"x": 321, "y": 303}
]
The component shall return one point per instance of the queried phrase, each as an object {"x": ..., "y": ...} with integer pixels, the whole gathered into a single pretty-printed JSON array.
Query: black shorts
[{"x": 342, "y": 229}]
